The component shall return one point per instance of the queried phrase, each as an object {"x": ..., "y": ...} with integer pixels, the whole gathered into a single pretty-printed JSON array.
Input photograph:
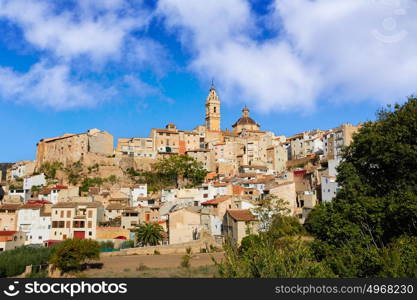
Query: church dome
[{"x": 245, "y": 119}]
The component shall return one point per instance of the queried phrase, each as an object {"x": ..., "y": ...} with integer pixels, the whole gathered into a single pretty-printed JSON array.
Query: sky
[{"x": 126, "y": 66}]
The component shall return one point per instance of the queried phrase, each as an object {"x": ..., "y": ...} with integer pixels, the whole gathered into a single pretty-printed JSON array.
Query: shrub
[
  {"x": 142, "y": 267},
  {"x": 127, "y": 244},
  {"x": 106, "y": 245},
  {"x": 14, "y": 262},
  {"x": 72, "y": 253}
]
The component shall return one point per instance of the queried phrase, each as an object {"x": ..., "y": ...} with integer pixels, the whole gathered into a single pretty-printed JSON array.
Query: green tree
[
  {"x": 91, "y": 182},
  {"x": 377, "y": 200},
  {"x": 148, "y": 234},
  {"x": 267, "y": 208},
  {"x": 280, "y": 250},
  {"x": 181, "y": 170},
  {"x": 71, "y": 254},
  {"x": 50, "y": 168},
  {"x": 264, "y": 257}
]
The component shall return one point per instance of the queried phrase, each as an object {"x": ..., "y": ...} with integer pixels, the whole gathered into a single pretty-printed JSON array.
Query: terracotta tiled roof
[
  {"x": 94, "y": 204},
  {"x": 60, "y": 187},
  {"x": 254, "y": 167},
  {"x": 216, "y": 200},
  {"x": 220, "y": 184},
  {"x": 10, "y": 206},
  {"x": 244, "y": 175},
  {"x": 241, "y": 214},
  {"x": 115, "y": 206},
  {"x": 42, "y": 202},
  {"x": 45, "y": 191},
  {"x": 31, "y": 206},
  {"x": 199, "y": 150},
  {"x": 7, "y": 233},
  {"x": 237, "y": 189}
]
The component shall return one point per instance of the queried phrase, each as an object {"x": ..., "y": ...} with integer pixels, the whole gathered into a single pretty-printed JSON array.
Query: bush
[
  {"x": 70, "y": 254},
  {"x": 127, "y": 244},
  {"x": 264, "y": 257},
  {"x": 14, "y": 262},
  {"x": 185, "y": 261},
  {"x": 106, "y": 245},
  {"x": 142, "y": 267}
]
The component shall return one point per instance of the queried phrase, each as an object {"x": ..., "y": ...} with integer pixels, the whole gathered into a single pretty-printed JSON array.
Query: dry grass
[
  {"x": 155, "y": 266},
  {"x": 145, "y": 272}
]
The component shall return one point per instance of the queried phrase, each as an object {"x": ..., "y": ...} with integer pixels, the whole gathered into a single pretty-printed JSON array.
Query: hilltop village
[{"x": 80, "y": 186}]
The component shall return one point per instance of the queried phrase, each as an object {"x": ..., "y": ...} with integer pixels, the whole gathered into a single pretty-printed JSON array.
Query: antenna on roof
[{"x": 212, "y": 83}]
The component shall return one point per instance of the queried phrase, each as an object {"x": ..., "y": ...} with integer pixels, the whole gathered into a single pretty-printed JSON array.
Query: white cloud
[
  {"x": 85, "y": 37},
  {"x": 95, "y": 29},
  {"x": 345, "y": 50},
  {"x": 364, "y": 49},
  {"x": 341, "y": 50},
  {"x": 50, "y": 86}
]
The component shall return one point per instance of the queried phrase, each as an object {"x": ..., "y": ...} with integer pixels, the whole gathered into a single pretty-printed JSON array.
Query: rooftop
[{"x": 241, "y": 215}]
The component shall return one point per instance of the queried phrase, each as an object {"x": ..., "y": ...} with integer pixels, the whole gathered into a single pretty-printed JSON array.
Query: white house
[
  {"x": 24, "y": 196},
  {"x": 329, "y": 188},
  {"x": 36, "y": 180},
  {"x": 139, "y": 191},
  {"x": 34, "y": 222},
  {"x": 22, "y": 169},
  {"x": 215, "y": 225}
]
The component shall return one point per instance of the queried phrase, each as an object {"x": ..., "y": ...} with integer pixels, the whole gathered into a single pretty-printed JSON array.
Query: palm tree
[{"x": 148, "y": 234}]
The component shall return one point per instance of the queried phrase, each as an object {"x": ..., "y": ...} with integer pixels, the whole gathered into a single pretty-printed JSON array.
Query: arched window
[{"x": 215, "y": 109}]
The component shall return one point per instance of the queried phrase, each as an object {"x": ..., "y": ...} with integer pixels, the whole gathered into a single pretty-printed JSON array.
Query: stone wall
[{"x": 108, "y": 233}]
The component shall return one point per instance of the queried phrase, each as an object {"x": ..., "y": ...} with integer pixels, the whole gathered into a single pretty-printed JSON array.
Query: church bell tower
[{"x": 213, "y": 110}]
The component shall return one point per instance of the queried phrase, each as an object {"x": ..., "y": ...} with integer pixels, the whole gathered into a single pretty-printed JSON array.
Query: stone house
[
  {"x": 10, "y": 240},
  {"x": 286, "y": 191},
  {"x": 135, "y": 147},
  {"x": 184, "y": 225},
  {"x": 205, "y": 157},
  {"x": 71, "y": 148},
  {"x": 166, "y": 140},
  {"x": 8, "y": 217},
  {"x": 239, "y": 223},
  {"x": 76, "y": 219},
  {"x": 219, "y": 205}
]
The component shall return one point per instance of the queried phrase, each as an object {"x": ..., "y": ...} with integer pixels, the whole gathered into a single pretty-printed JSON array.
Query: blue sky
[{"x": 127, "y": 66}]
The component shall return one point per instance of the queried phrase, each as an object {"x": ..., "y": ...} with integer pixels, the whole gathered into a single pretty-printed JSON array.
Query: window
[
  {"x": 68, "y": 214},
  {"x": 62, "y": 213},
  {"x": 90, "y": 233},
  {"x": 90, "y": 224},
  {"x": 215, "y": 109},
  {"x": 90, "y": 213},
  {"x": 68, "y": 225}
]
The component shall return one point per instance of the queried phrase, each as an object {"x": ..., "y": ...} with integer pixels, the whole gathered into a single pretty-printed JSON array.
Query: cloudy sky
[{"x": 126, "y": 66}]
